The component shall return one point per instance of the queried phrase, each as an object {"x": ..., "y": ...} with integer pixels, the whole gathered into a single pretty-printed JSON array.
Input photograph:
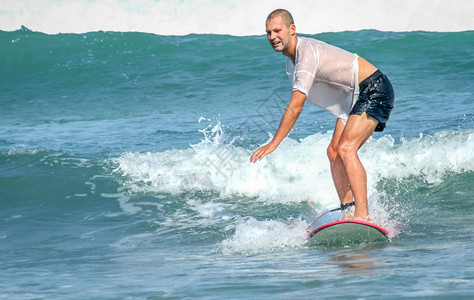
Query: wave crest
[
  {"x": 295, "y": 171},
  {"x": 244, "y": 17}
]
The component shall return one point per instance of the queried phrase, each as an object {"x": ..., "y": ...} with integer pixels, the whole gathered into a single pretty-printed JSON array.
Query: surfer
[{"x": 346, "y": 85}]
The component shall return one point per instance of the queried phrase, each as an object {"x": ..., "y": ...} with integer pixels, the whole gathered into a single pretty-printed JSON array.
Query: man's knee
[
  {"x": 346, "y": 151},
  {"x": 332, "y": 153}
]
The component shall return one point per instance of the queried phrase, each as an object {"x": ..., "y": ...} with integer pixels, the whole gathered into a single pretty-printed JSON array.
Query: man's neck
[{"x": 291, "y": 51}]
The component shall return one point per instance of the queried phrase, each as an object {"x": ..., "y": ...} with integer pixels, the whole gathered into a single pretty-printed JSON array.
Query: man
[{"x": 348, "y": 86}]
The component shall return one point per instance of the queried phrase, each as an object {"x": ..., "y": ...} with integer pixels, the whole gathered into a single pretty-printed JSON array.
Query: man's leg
[
  {"x": 356, "y": 132},
  {"x": 339, "y": 177}
]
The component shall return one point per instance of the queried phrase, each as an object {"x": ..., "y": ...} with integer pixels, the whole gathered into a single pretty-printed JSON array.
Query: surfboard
[{"x": 348, "y": 233}]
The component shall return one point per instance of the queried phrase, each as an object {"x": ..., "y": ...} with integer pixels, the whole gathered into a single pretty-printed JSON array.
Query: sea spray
[{"x": 253, "y": 237}]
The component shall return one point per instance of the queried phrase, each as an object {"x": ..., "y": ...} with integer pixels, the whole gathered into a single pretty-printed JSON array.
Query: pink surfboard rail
[{"x": 382, "y": 230}]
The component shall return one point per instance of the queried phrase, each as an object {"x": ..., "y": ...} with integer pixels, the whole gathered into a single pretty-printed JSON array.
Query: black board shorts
[{"x": 376, "y": 98}]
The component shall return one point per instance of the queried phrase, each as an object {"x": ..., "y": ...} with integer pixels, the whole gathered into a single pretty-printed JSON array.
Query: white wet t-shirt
[{"x": 326, "y": 74}]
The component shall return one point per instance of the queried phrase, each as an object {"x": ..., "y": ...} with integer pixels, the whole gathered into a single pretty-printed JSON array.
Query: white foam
[
  {"x": 254, "y": 237},
  {"x": 295, "y": 171},
  {"x": 288, "y": 175},
  {"x": 430, "y": 157},
  {"x": 236, "y": 17}
]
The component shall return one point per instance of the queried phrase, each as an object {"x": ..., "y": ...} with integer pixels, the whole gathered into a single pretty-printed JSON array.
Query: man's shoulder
[
  {"x": 306, "y": 43},
  {"x": 308, "y": 40},
  {"x": 307, "y": 48}
]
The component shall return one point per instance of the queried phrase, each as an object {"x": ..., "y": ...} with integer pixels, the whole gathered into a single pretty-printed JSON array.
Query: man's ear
[{"x": 292, "y": 29}]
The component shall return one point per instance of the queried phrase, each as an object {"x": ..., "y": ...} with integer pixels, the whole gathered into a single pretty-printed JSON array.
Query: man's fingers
[{"x": 256, "y": 155}]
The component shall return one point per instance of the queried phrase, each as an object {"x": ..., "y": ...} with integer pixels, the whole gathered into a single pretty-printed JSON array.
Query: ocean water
[{"x": 124, "y": 170}]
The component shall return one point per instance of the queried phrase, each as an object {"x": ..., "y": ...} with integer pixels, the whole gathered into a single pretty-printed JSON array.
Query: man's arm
[{"x": 287, "y": 121}]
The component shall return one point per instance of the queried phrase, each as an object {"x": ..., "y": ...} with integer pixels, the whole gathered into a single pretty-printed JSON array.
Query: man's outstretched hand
[{"x": 262, "y": 152}]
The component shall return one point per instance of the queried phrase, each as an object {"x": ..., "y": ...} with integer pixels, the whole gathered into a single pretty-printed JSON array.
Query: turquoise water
[{"x": 124, "y": 170}]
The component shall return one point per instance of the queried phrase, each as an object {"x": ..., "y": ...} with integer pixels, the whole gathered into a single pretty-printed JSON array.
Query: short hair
[{"x": 285, "y": 15}]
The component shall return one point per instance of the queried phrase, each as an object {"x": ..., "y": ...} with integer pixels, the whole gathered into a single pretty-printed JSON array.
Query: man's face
[{"x": 278, "y": 34}]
